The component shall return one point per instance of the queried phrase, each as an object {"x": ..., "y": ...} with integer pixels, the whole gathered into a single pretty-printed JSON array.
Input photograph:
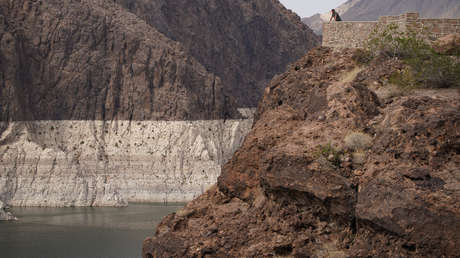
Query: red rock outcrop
[{"x": 331, "y": 170}]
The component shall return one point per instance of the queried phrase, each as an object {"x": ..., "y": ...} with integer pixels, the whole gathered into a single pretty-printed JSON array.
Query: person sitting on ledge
[{"x": 335, "y": 16}]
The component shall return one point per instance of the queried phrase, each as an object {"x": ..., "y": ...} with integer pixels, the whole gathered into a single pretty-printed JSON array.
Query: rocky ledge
[
  {"x": 332, "y": 168},
  {"x": 4, "y": 213}
]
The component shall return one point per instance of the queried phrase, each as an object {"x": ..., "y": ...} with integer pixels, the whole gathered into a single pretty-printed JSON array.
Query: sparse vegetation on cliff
[
  {"x": 425, "y": 67},
  {"x": 357, "y": 141},
  {"x": 328, "y": 154}
]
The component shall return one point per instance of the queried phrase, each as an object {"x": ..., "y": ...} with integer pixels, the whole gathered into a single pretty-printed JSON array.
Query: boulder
[{"x": 4, "y": 213}]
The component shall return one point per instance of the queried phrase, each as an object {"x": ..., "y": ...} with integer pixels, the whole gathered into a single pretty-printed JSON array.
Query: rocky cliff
[
  {"x": 91, "y": 60},
  {"x": 109, "y": 163},
  {"x": 371, "y": 10},
  {"x": 82, "y": 82},
  {"x": 243, "y": 42},
  {"x": 101, "y": 104},
  {"x": 336, "y": 165}
]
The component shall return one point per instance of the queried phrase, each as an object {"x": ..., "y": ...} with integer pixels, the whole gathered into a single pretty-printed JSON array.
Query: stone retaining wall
[{"x": 354, "y": 34}]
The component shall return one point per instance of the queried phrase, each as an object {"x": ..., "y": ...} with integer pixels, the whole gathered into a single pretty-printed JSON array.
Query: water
[{"x": 80, "y": 232}]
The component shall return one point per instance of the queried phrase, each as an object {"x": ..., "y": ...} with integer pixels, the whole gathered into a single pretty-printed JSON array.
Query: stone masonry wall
[{"x": 354, "y": 34}]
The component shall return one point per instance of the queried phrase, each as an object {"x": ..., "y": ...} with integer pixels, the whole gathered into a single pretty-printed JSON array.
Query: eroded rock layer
[
  {"x": 96, "y": 163},
  {"x": 331, "y": 169}
]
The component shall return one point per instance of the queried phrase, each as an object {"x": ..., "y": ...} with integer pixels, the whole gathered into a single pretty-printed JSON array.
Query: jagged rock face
[
  {"x": 83, "y": 85},
  {"x": 297, "y": 187},
  {"x": 92, "y": 60},
  {"x": 86, "y": 88},
  {"x": 244, "y": 42}
]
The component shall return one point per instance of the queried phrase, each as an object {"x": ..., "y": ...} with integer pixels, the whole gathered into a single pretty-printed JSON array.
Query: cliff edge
[{"x": 332, "y": 168}]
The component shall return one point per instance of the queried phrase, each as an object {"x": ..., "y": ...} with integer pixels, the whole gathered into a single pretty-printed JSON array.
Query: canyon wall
[
  {"x": 107, "y": 102},
  {"x": 243, "y": 42},
  {"x": 97, "y": 163},
  {"x": 92, "y": 60}
]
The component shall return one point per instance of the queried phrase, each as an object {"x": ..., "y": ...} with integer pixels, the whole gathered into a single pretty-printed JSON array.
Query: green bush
[
  {"x": 405, "y": 79},
  {"x": 362, "y": 56},
  {"x": 426, "y": 68},
  {"x": 329, "y": 153}
]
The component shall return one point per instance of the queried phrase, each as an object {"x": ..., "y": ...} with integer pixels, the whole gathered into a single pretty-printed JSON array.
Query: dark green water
[{"x": 80, "y": 232}]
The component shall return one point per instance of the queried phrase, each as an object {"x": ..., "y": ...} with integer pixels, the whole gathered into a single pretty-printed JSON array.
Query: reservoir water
[{"x": 80, "y": 232}]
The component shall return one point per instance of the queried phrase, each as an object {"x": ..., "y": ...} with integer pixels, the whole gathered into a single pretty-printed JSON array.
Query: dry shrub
[{"x": 358, "y": 141}]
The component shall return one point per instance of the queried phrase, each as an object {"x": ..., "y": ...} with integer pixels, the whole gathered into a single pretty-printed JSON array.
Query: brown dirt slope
[{"x": 330, "y": 169}]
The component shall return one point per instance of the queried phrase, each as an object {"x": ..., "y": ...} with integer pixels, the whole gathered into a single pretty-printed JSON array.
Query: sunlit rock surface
[{"x": 96, "y": 163}]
